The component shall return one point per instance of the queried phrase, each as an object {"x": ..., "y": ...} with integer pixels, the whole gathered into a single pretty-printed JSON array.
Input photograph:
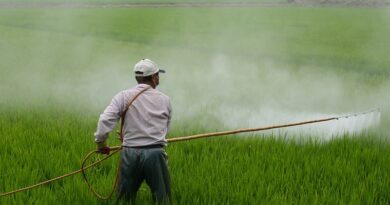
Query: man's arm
[{"x": 108, "y": 120}]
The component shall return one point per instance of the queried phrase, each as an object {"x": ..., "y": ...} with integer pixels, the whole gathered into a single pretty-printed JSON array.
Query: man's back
[{"x": 147, "y": 119}]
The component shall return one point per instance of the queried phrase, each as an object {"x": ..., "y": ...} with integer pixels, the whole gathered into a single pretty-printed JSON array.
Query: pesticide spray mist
[{"x": 219, "y": 77}]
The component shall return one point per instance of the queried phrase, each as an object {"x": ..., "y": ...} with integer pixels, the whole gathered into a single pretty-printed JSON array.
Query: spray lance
[{"x": 116, "y": 149}]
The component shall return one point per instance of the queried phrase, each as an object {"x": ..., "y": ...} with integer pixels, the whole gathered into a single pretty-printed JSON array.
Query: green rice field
[{"x": 227, "y": 68}]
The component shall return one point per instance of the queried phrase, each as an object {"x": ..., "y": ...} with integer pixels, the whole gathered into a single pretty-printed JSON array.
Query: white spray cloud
[{"x": 273, "y": 96}]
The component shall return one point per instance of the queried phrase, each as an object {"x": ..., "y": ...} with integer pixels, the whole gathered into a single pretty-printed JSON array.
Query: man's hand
[{"x": 102, "y": 148}]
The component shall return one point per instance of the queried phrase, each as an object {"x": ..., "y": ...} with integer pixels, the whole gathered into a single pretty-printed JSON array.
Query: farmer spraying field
[
  {"x": 146, "y": 115},
  {"x": 299, "y": 93}
]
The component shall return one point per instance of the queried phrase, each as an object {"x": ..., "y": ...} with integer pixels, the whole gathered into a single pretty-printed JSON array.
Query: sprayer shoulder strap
[{"x": 127, "y": 108}]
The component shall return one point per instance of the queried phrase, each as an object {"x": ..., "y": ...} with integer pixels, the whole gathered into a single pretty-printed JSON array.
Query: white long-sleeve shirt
[{"x": 146, "y": 122}]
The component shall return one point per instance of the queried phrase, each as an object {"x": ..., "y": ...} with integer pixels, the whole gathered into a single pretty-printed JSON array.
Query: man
[{"x": 146, "y": 123}]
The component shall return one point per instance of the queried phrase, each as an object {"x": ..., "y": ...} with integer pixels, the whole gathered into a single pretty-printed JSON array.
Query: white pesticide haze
[
  {"x": 273, "y": 96},
  {"x": 212, "y": 86}
]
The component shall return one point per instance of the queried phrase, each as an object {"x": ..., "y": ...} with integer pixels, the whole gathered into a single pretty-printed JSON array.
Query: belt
[{"x": 147, "y": 146}]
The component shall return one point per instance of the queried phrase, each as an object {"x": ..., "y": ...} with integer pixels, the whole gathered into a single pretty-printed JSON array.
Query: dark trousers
[{"x": 149, "y": 164}]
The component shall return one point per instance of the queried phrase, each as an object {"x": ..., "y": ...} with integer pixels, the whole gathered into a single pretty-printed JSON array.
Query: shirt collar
[{"x": 142, "y": 85}]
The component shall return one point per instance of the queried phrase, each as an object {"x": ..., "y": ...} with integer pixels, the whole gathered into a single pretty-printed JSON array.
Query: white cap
[{"x": 146, "y": 67}]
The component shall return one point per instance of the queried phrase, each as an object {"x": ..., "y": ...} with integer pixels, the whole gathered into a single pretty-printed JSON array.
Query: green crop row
[{"x": 39, "y": 145}]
